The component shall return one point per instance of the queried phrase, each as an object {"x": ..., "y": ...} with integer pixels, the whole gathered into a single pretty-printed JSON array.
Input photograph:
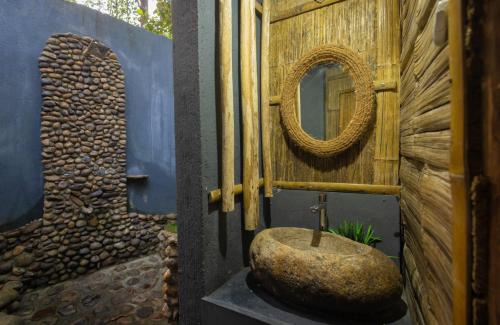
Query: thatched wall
[
  {"x": 370, "y": 28},
  {"x": 425, "y": 143}
]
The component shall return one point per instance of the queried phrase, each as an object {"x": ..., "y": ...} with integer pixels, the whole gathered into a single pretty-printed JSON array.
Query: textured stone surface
[
  {"x": 104, "y": 297},
  {"x": 324, "y": 271},
  {"x": 6, "y": 319},
  {"x": 7, "y": 295},
  {"x": 168, "y": 252},
  {"x": 85, "y": 224}
]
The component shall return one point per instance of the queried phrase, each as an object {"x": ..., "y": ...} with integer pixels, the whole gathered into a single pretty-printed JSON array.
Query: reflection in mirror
[{"x": 327, "y": 101}]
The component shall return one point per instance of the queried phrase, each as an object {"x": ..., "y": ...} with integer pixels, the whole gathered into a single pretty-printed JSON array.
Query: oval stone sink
[{"x": 324, "y": 271}]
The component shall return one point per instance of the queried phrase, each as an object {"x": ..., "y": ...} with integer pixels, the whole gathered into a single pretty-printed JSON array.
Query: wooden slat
[{"x": 226, "y": 102}]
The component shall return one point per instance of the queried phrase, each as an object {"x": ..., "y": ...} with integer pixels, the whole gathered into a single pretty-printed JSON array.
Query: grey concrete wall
[
  {"x": 291, "y": 208},
  {"x": 147, "y": 63}
]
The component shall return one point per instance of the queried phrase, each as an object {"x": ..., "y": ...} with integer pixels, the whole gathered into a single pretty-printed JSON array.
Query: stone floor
[{"x": 128, "y": 293}]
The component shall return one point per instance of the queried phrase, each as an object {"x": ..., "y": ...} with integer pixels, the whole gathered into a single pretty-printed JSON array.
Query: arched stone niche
[{"x": 83, "y": 133}]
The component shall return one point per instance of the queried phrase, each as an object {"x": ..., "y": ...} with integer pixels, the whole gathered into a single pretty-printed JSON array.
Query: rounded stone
[
  {"x": 24, "y": 260},
  {"x": 6, "y": 266},
  {"x": 324, "y": 271},
  {"x": 7, "y": 295},
  {"x": 144, "y": 312}
]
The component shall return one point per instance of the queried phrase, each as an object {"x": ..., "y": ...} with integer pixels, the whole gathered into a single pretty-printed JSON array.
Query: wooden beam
[
  {"x": 339, "y": 187},
  {"x": 264, "y": 94},
  {"x": 227, "y": 109},
  {"x": 458, "y": 178},
  {"x": 216, "y": 195},
  {"x": 248, "y": 58},
  {"x": 300, "y": 9}
]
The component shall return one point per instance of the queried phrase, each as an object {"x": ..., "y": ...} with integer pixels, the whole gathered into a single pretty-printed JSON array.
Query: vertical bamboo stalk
[
  {"x": 227, "y": 110},
  {"x": 386, "y": 162},
  {"x": 264, "y": 96},
  {"x": 458, "y": 171},
  {"x": 248, "y": 56}
]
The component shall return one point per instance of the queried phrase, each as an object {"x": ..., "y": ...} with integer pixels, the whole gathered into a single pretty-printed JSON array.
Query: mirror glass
[{"x": 326, "y": 100}]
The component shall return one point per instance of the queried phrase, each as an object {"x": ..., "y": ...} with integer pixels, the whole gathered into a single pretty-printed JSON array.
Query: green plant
[
  {"x": 171, "y": 227},
  {"x": 161, "y": 20},
  {"x": 356, "y": 231},
  {"x": 135, "y": 12}
]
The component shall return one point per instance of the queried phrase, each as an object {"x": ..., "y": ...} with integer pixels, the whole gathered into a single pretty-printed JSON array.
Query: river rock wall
[
  {"x": 168, "y": 245},
  {"x": 85, "y": 224},
  {"x": 83, "y": 133}
]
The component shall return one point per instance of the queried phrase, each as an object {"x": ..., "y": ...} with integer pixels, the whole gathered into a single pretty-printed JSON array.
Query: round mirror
[{"x": 327, "y": 100}]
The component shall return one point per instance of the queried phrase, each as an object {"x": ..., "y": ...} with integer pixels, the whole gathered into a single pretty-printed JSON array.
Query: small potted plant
[{"x": 356, "y": 231}]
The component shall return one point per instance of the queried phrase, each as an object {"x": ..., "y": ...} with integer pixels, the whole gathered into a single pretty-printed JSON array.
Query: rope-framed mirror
[{"x": 363, "y": 100}]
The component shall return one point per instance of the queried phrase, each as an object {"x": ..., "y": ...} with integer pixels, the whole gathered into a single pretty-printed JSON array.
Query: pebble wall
[
  {"x": 170, "y": 277},
  {"x": 85, "y": 224}
]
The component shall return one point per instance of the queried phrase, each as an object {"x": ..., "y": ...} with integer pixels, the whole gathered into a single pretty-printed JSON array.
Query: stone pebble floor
[{"x": 128, "y": 293}]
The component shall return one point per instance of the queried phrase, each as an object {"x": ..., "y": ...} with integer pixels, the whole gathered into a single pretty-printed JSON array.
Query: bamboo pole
[
  {"x": 339, "y": 187},
  {"x": 457, "y": 169},
  {"x": 264, "y": 95},
  {"x": 216, "y": 195},
  {"x": 254, "y": 219},
  {"x": 250, "y": 114},
  {"x": 227, "y": 110}
]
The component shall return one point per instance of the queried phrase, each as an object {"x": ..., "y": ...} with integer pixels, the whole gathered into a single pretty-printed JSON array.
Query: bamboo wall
[
  {"x": 370, "y": 28},
  {"x": 339, "y": 102},
  {"x": 425, "y": 144}
]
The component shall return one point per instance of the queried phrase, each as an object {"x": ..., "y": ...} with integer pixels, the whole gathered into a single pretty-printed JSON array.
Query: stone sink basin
[{"x": 324, "y": 271}]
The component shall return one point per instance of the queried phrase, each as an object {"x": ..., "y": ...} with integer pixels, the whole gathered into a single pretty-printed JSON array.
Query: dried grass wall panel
[
  {"x": 370, "y": 28},
  {"x": 425, "y": 149}
]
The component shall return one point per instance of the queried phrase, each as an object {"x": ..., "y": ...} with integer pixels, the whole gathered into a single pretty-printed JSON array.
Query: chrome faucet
[{"x": 320, "y": 208}]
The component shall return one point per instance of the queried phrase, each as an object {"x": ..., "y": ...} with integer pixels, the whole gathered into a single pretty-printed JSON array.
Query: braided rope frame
[{"x": 363, "y": 85}]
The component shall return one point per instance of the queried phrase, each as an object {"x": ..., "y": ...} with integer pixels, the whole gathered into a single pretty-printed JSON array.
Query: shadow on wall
[
  {"x": 156, "y": 193},
  {"x": 34, "y": 212}
]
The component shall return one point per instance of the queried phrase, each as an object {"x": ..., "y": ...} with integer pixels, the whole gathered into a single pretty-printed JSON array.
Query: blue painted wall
[{"x": 146, "y": 60}]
